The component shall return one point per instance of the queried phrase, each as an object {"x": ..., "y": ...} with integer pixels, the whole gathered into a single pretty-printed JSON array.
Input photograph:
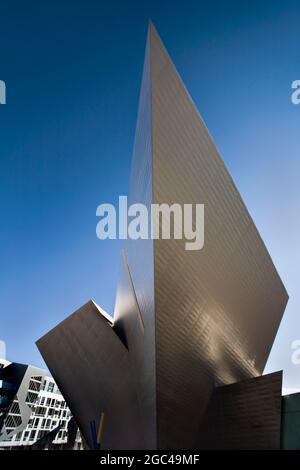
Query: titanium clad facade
[
  {"x": 134, "y": 309},
  {"x": 90, "y": 365},
  {"x": 244, "y": 415},
  {"x": 216, "y": 310}
]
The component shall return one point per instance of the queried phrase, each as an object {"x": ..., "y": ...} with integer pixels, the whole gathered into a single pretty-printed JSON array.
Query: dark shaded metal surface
[
  {"x": 290, "y": 427},
  {"x": 91, "y": 368},
  {"x": 244, "y": 415}
]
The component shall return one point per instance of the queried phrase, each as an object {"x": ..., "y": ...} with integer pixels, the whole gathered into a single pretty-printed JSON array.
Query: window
[
  {"x": 36, "y": 422},
  {"x": 31, "y": 397},
  {"x": 15, "y": 408},
  {"x": 35, "y": 386},
  {"x": 40, "y": 411},
  {"x": 13, "y": 421},
  {"x": 18, "y": 436},
  {"x": 50, "y": 387},
  {"x": 38, "y": 378}
]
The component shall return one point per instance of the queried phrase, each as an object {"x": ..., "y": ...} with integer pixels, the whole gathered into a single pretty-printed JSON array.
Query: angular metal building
[
  {"x": 186, "y": 321},
  {"x": 92, "y": 369}
]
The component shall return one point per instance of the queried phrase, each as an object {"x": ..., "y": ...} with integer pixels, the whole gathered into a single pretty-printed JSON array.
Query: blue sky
[{"x": 73, "y": 70}]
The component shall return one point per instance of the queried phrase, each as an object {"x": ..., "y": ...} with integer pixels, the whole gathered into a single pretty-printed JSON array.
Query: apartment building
[{"x": 33, "y": 411}]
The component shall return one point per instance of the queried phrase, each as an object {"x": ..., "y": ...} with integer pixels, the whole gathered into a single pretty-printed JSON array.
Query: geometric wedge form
[
  {"x": 210, "y": 316},
  {"x": 185, "y": 322},
  {"x": 244, "y": 415},
  {"x": 90, "y": 364}
]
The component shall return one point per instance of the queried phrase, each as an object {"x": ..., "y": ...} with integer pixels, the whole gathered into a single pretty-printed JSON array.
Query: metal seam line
[{"x": 139, "y": 315}]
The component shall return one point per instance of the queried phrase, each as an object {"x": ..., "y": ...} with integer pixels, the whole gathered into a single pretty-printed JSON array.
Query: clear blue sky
[{"x": 73, "y": 70}]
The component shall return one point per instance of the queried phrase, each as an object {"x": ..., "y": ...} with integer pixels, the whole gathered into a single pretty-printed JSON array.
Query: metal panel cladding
[
  {"x": 217, "y": 310},
  {"x": 134, "y": 310},
  {"x": 91, "y": 368}
]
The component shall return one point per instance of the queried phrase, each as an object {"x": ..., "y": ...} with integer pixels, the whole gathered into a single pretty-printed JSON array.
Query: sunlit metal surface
[{"x": 91, "y": 367}]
